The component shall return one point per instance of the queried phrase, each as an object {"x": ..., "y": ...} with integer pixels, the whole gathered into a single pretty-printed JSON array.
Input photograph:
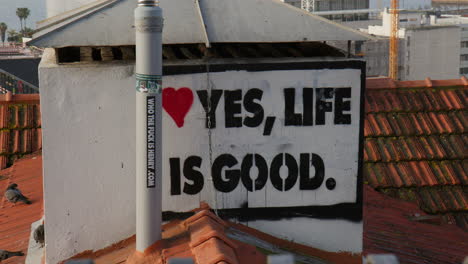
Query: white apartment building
[
  {"x": 432, "y": 45},
  {"x": 334, "y": 9},
  {"x": 462, "y": 23}
]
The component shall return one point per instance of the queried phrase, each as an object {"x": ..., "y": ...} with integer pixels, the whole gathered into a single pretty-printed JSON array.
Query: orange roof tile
[
  {"x": 206, "y": 239},
  {"x": 20, "y": 125},
  {"x": 16, "y": 220},
  {"x": 416, "y": 141},
  {"x": 389, "y": 228}
]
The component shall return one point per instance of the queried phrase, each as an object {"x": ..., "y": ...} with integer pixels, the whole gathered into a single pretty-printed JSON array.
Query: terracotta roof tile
[
  {"x": 444, "y": 199},
  {"x": 414, "y": 100},
  {"x": 20, "y": 125},
  {"x": 205, "y": 238},
  {"x": 461, "y": 219},
  {"x": 416, "y": 143},
  {"x": 387, "y": 83},
  {"x": 415, "y": 124},
  {"x": 388, "y": 228},
  {"x": 16, "y": 220}
]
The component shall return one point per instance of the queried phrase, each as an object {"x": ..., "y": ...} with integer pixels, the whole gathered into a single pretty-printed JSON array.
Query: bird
[
  {"x": 39, "y": 235},
  {"x": 14, "y": 195},
  {"x": 4, "y": 254}
]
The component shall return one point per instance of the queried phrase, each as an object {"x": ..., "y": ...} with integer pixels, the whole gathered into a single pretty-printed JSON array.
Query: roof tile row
[
  {"x": 416, "y": 173},
  {"x": 443, "y": 199},
  {"x": 20, "y": 141},
  {"x": 415, "y": 124},
  {"x": 388, "y": 228},
  {"x": 415, "y": 100},
  {"x": 16, "y": 220},
  {"x": 20, "y": 126},
  {"x": 459, "y": 218},
  {"x": 416, "y": 144},
  {"x": 15, "y": 143},
  {"x": 380, "y": 83},
  {"x": 433, "y": 147},
  {"x": 434, "y": 200},
  {"x": 206, "y": 238},
  {"x": 20, "y": 116},
  {"x": 203, "y": 238}
]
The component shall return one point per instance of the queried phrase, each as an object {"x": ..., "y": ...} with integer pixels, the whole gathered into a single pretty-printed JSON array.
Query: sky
[{"x": 8, "y": 12}]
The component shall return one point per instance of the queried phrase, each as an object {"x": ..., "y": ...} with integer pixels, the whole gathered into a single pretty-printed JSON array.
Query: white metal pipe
[{"x": 148, "y": 26}]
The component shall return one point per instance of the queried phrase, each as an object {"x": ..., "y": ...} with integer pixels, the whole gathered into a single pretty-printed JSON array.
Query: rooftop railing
[{"x": 15, "y": 85}]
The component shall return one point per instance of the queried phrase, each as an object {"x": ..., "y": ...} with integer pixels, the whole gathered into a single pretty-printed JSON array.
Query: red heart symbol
[{"x": 177, "y": 103}]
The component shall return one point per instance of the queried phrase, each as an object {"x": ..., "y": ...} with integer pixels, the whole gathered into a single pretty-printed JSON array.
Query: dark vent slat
[{"x": 200, "y": 51}]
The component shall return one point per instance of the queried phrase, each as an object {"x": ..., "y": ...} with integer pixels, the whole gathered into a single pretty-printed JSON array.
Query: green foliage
[
  {"x": 23, "y": 14},
  {"x": 27, "y": 32},
  {"x": 13, "y": 36}
]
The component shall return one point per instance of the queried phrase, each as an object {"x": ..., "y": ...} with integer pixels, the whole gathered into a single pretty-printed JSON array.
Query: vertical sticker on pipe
[{"x": 150, "y": 141}]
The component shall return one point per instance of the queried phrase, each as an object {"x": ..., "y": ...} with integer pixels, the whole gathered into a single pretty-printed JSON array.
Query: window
[
  {"x": 464, "y": 57},
  {"x": 464, "y": 44},
  {"x": 463, "y": 70}
]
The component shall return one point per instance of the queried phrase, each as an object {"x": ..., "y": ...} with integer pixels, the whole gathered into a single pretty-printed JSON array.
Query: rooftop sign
[{"x": 252, "y": 138}]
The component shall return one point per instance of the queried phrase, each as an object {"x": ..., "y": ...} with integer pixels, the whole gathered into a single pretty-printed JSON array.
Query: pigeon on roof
[
  {"x": 4, "y": 254},
  {"x": 14, "y": 195},
  {"x": 39, "y": 235}
]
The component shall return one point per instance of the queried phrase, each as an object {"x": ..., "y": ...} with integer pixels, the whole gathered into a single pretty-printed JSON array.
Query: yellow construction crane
[{"x": 393, "y": 53}]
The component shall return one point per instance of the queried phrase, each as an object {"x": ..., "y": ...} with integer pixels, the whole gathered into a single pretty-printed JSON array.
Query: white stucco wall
[
  {"x": 89, "y": 139},
  {"x": 88, "y": 156},
  {"x": 330, "y": 235}
]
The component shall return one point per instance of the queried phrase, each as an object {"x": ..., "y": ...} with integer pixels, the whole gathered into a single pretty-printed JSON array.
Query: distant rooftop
[
  {"x": 110, "y": 23},
  {"x": 25, "y": 69}
]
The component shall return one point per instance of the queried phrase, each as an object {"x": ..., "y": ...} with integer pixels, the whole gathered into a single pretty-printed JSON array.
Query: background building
[
  {"x": 430, "y": 46},
  {"x": 334, "y": 9},
  {"x": 458, "y": 6},
  {"x": 462, "y": 23},
  {"x": 404, "y": 4}
]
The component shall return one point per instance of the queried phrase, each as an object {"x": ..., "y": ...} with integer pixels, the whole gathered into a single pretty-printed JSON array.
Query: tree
[
  {"x": 27, "y": 32},
  {"x": 20, "y": 16},
  {"x": 13, "y": 36},
  {"x": 3, "y": 29},
  {"x": 26, "y": 13},
  {"x": 22, "y": 13}
]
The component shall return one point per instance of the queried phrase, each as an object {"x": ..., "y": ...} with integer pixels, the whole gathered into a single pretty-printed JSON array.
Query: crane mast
[{"x": 393, "y": 52}]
